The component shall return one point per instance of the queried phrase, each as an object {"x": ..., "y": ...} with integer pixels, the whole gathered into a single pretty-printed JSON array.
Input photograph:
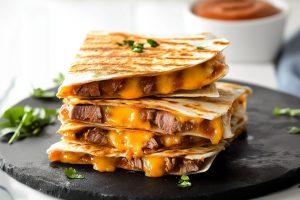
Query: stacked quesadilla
[{"x": 159, "y": 110}]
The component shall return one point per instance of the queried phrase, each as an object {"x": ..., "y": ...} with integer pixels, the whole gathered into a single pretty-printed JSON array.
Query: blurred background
[{"x": 39, "y": 39}]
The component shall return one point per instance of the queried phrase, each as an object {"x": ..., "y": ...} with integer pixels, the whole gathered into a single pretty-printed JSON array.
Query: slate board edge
[{"x": 287, "y": 180}]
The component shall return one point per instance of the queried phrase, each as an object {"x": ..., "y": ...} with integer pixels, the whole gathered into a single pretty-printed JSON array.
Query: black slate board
[{"x": 264, "y": 160}]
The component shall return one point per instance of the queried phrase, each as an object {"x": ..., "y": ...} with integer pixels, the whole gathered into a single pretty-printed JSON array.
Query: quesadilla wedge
[
  {"x": 104, "y": 159},
  {"x": 105, "y": 69},
  {"x": 203, "y": 117}
]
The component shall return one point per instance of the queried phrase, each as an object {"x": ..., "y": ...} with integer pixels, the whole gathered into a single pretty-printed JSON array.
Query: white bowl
[{"x": 255, "y": 40}]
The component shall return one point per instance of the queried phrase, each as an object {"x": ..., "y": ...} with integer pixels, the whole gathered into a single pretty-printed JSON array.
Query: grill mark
[
  {"x": 126, "y": 49},
  {"x": 198, "y": 108},
  {"x": 134, "y": 56},
  {"x": 221, "y": 43}
]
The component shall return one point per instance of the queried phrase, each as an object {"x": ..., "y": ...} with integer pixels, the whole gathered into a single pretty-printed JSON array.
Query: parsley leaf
[
  {"x": 126, "y": 42},
  {"x": 200, "y": 47},
  {"x": 152, "y": 43},
  {"x": 59, "y": 79},
  {"x": 40, "y": 93},
  {"x": 286, "y": 111},
  {"x": 138, "y": 48},
  {"x": 25, "y": 122},
  {"x": 71, "y": 173},
  {"x": 184, "y": 182},
  {"x": 294, "y": 130}
]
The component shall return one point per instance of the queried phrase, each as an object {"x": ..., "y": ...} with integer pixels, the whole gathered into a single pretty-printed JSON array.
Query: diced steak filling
[
  {"x": 98, "y": 136},
  {"x": 165, "y": 121},
  {"x": 111, "y": 88},
  {"x": 176, "y": 164},
  {"x": 88, "y": 90},
  {"x": 169, "y": 123},
  {"x": 94, "y": 135}
]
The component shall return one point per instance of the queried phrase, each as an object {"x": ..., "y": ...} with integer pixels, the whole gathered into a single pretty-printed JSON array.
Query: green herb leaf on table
[
  {"x": 184, "y": 182},
  {"x": 71, "y": 173},
  {"x": 25, "y": 122},
  {"x": 286, "y": 111},
  {"x": 152, "y": 43},
  {"x": 294, "y": 130},
  {"x": 41, "y": 94},
  {"x": 59, "y": 79}
]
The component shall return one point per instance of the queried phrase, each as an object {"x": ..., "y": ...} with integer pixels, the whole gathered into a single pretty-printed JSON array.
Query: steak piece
[
  {"x": 135, "y": 163},
  {"x": 89, "y": 113},
  {"x": 170, "y": 164},
  {"x": 167, "y": 122},
  {"x": 88, "y": 90},
  {"x": 111, "y": 87},
  {"x": 96, "y": 136},
  {"x": 147, "y": 84},
  {"x": 151, "y": 144},
  {"x": 147, "y": 114},
  {"x": 190, "y": 166}
]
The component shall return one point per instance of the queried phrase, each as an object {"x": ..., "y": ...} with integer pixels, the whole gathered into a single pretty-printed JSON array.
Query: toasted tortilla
[
  {"x": 101, "y": 59},
  {"x": 202, "y": 107},
  {"x": 109, "y": 61},
  {"x": 203, "y": 154}
]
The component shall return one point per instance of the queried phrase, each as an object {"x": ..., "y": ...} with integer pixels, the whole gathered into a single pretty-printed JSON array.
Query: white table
[{"x": 39, "y": 38}]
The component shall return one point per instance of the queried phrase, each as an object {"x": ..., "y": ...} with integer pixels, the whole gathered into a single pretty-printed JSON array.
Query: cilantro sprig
[
  {"x": 59, "y": 79},
  {"x": 24, "y": 122},
  {"x": 71, "y": 173},
  {"x": 294, "y": 130},
  {"x": 40, "y": 93},
  {"x": 286, "y": 112},
  {"x": 184, "y": 182},
  {"x": 43, "y": 94}
]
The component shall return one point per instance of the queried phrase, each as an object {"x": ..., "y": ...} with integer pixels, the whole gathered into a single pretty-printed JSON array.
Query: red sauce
[{"x": 234, "y": 9}]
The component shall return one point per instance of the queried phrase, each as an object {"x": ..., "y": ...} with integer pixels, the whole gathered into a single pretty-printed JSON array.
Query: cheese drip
[
  {"x": 130, "y": 142},
  {"x": 154, "y": 166},
  {"x": 126, "y": 116}
]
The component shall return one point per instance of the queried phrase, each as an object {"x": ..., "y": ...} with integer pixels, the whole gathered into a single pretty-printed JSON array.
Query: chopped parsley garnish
[
  {"x": 286, "y": 111},
  {"x": 26, "y": 121},
  {"x": 200, "y": 47},
  {"x": 152, "y": 43},
  {"x": 184, "y": 182},
  {"x": 139, "y": 48},
  {"x": 71, "y": 173},
  {"x": 59, "y": 79},
  {"x": 126, "y": 42},
  {"x": 294, "y": 130},
  {"x": 40, "y": 93}
]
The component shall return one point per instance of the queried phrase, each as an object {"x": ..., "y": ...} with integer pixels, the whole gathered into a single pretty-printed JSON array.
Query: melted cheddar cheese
[
  {"x": 154, "y": 166},
  {"x": 195, "y": 77},
  {"x": 126, "y": 116},
  {"x": 165, "y": 83},
  {"x": 131, "y": 142},
  {"x": 132, "y": 89},
  {"x": 190, "y": 79},
  {"x": 104, "y": 164},
  {"x": 217, "y": 126},
  {"x": 171, "y": 140}
]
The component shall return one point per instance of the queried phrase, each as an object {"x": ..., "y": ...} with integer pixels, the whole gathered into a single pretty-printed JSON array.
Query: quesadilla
[
  {"x": 202, "y": 117},
  {"x": 103, "y": 159},
  {"x": 104, "y": 69}
]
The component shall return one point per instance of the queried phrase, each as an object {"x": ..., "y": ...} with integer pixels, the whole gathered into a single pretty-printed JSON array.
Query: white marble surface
[{"x": 40, "y": 37}]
